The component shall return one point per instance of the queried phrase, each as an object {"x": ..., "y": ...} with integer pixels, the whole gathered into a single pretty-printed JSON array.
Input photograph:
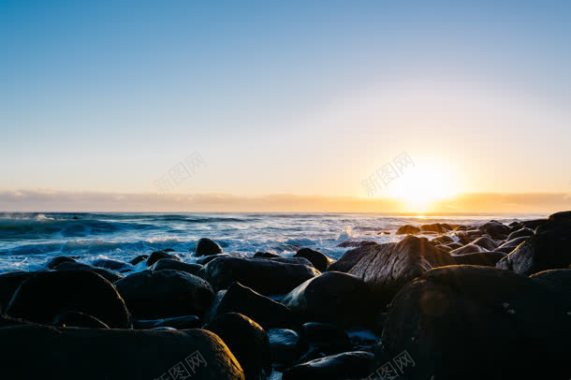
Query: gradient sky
[{"x": 296, "y": 97}]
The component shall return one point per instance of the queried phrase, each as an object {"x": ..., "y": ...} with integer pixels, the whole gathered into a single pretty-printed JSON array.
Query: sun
[{"x": 421, "y": 185}]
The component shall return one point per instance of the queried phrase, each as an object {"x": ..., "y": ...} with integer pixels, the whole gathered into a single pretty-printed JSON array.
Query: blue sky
[{"x": 296, "y": 97}]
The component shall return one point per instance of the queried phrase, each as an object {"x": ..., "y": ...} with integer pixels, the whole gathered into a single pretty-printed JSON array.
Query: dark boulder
[
  {"x": 408, "y": 230},
  {"x": 352, "y": 256},
  {"x": 557, "y": 280},
  {"x": 467, "y": 249},
  {"x": 522, "y": 232},
  {"x": 138, "y": 259},
  {"x": 163, "y": 264},
  {"x": 510, "y": 245},
  {"x": 486, "y": 243},
  {"x": 549, "y": 248},
  {"x": 393, "y": 265},
  {"x": 165, "y": 293},
  {"x": 180, "y": 323},
  {"x": 114, "y": 265},
  {"x": 443, "y": 239},
  {"x": 266, "y": 255},
  {"x": 248, "y": 342},
  {"x": 317, "y": 259},
  {"x": 109, "y": 275},
  {"x": 439, "y": 228},
  {"x": 158, "y": 255},
  {"x": 9, "y": 283},
  {"x": 285, "y": 346},
  {"x": 471, "y": 322},
  {"x": 207, "y": 247},
  {"x": 206, "y": 259},
  {"x": 53, "y": 263},
  {"x": 334, "y": 297},
  {"x": 115, "y": 354},
  {"x": 327, "y": 338},
  {"x": 46, "y": 294},
  {"x": 262, "y": 275},
  {"x": 241, "y": 299},
  {"x": 483, "y": 258},
  {"x": 495, "y": 229},
  {"x": 78, "y": 319},
  {"x": 344, "y": 366}
]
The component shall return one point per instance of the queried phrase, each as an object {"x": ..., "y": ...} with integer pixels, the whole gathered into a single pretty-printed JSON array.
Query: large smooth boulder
[
  {"x": 109, "y": 275},
  {"x": 393, "y": 265},
  {"x": 549, "y": 248},
  {"x": 9, "y": 283},
  {"x": 177, "y": 265},
  {"x": 467, "y": 249},
  {"x": 317, "y": 259},
  {"x": 558, "y": 281},
  {"x": 286, "y": 346},
  {"x": 46, "y": 294},
  {"x": 241, "y": 299},
  {"x": 207, "y": 247},
  {"x": 326, "y": 338},
  {"x": 495, "y": 229},
  {"x": 482, "y": 258},
  {"x": 165, "y": 293},
  {"x": 408, "y": 230},
  {"x": 78, "y": 319},
  {"x": 344, "y": 366},
  {"x": 436, "y": 227},
  {"x": 335, "y": 297},
  {"x": 159, "y": 255},
  {"x": 352, "y": 256},
  {"x": 262, "y": 275},
  {"x": 114, "y": 265},
  {"x": 509, "y": 245},
  {"x": 53, "y": 263},
  {"x": 39, "y": 352},
  {"x": 248, "y": 342},
  {"x": 471, "y": 322}
]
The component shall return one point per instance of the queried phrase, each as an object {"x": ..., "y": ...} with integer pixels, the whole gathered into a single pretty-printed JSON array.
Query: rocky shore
[{"x": 486, "y": 301}]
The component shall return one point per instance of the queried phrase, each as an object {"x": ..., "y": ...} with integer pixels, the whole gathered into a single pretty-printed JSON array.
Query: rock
[
  {"x": 262, "y": 275},
  {"x": 549, "y": 248},
  {"x": 46, "y": 294},
  {"x": 207, "y": 247},
  {"x": 522, "y": 232},
  {"x": 495, "y": 229},
  {"x": 138, "y": 259},
  {"x": 482, "y": 258},
  {"x": 325, "y": 337},
  {"x": 352, "y": 257},
  {"x": 317, "y": 259},
  {"x": 334, "y": 297},
  {"x": 53, "y": 263},
  {"x": 285, "y": 346},
  {"x": 510, "y": 245},
  {"x": 557, "y": 280},
  {"x": 95, "y": 354},
  {"x": 247, "y": 340},
  {"x": 292, "y": 260},
  {"x": 467, "y": 249},
  {"x": 163, "y": 264},
  {"x": 241, "y": 299},
  {"x": 348, "y": 365},
  {"x": 533, "y": 224},
  {"x": 486, "y": 243},
  {"x": 9, "y": 283},
  {"x": 439, "y": 228},
  {"x": 158, "y": 255},
  {"x": 443, "y": 239},
  {"x": 408, "y": 230},
  {"x": 180, "y": 323},
  {"x": 469, "y": 322},
  {"x": 266, "y": 255},
  {"x": 206, "y": 259},
  {"x": 114, "y": 265},
  {"x": 393, "y": 265},
  {"x": 109, "y": 275},
  {"x": 78, "y": 319},
  {"x": 165, "y": 293}
]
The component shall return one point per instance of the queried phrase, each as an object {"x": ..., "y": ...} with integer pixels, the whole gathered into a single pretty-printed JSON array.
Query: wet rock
[
  {"x": 482, "y": 258},
  {"x": 46, "y": 294},
  {"x": 522, "y": 232},
  {"x": 117, "y": 354},
  {"x": 262, "y": 275},
  {"x": 114, "y": 265},
  {"x": 266, "y": 255},
  {"x": 247, "y": 340},
  {"x": 327, "y": 338},
  {"x": 138, "y": 259},
  {"x": 352, "y": 257},
  {"x": 348, "y": 365},
  {"x": 109, "y": 275},
  {"x": 207, "y": 247},
  {"x": 180, "y": 323},
  {"x": 533, "y": 224},
  {"x": 317, "y": 259},
  {"x": 444, "y": 239},
  {"x": 165, "y": 293},
  {"x": 334, "y": 297},
  {"x": 241, "y": 299},
  {"x": 9, "y": 283},
  {"x": 557, "y": 280},
  {"x": 486, "y": 243},
  {"x": 549, "y": 248},
  {"x": 393, "y": 265},
  {"x": 467, "y": 249},
  {"x": 53, "y": 263},
  {"x": 439, "y": 228},
  {"x": 158, "y": 255},
  {"x": 78, "y": 319},
  {"x": 510, "y": 245},
  {"x": 469, "y": 322},
  {"x": 408, "y": 230},
  {"x": 285, "y": 346},
  {"x": 206, "y": 259},
  {"x": 163, "y": 264},
  {"x": 495, "y": 229}
]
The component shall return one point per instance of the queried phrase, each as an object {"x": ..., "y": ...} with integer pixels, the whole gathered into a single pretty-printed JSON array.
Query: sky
[{"x": 257, "y": 99}]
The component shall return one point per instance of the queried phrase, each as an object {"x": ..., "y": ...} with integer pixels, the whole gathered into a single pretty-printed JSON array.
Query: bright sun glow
[{"x": 419, "y": 187}]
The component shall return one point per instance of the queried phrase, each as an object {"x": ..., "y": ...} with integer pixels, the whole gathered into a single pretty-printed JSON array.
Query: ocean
[{"x": 29, "y": 240}]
